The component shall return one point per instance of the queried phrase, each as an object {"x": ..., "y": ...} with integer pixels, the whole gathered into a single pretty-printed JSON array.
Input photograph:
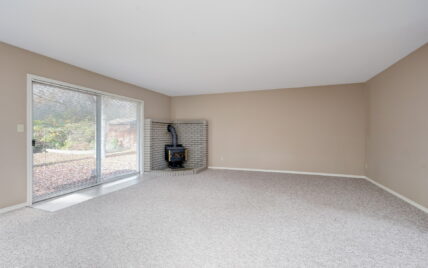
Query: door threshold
[{"x": 75, "y": 198}]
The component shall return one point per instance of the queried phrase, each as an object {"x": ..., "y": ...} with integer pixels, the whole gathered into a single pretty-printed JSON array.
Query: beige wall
[
  {"x": 15, "y": 64},
  {"x": 313, "y": 129},
  {"x": 397, "y": 151}
]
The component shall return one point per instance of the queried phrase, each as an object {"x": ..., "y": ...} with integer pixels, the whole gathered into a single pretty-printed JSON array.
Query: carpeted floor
[{"x": 223, "y": 219}]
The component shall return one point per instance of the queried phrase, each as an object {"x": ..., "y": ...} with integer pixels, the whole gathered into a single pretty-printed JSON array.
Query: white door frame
[{"x": 34, "y": 78}]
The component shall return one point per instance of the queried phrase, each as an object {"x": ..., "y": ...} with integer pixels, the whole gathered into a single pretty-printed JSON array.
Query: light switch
[{"x": 20, "y": 128}]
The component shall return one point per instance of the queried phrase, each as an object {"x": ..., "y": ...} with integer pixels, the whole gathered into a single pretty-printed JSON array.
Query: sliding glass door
[{"x": 81, "y": 139}]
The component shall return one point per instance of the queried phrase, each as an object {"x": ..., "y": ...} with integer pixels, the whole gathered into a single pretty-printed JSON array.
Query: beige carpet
[{"x": 223, "y": 219}]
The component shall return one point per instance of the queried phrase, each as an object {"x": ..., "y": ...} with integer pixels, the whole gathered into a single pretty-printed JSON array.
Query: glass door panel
[
  {"x": 119, "y": 137},
  {"x": 64, "y": 141}
]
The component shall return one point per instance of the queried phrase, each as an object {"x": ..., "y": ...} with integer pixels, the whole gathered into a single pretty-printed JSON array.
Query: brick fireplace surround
[{"x": 192, "y": 134}]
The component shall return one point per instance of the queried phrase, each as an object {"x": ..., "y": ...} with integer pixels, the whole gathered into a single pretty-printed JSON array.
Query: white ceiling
[{"x": 195, "y": 46}]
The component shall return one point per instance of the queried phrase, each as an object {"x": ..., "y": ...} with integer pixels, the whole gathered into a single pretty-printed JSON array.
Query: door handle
[{"x": 33, "y": 142}]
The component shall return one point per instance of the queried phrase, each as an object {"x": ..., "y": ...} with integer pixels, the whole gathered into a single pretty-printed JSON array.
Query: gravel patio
[{"x": 55, "y": 173}]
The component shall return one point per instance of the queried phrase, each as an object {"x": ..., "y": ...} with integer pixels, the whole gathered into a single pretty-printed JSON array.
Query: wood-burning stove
[{"x": 175, "y": 154}]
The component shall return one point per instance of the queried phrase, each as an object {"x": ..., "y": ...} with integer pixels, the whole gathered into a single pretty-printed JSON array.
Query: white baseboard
[
  {"x": 411, "y": 202},
  {"x": 14, "y": 207},
  {"x": 293, "y": 172}
]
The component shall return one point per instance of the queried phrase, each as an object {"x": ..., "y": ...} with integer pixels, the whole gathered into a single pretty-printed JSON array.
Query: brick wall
[{"x": 192, "y": 134}]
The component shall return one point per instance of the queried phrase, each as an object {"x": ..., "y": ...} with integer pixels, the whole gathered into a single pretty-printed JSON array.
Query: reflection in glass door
[{"x": 81, "y": 139}]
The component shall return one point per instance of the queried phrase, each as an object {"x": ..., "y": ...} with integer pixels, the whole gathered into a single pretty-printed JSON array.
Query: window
[{"x": 81, "y": 138}]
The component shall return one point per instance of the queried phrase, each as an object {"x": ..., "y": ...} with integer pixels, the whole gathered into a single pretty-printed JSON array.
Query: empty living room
[{"x": 220, "y": 133}]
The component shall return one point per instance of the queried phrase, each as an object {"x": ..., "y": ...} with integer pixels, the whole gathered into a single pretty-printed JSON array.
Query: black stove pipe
[{"x": 171, "y": 130}]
